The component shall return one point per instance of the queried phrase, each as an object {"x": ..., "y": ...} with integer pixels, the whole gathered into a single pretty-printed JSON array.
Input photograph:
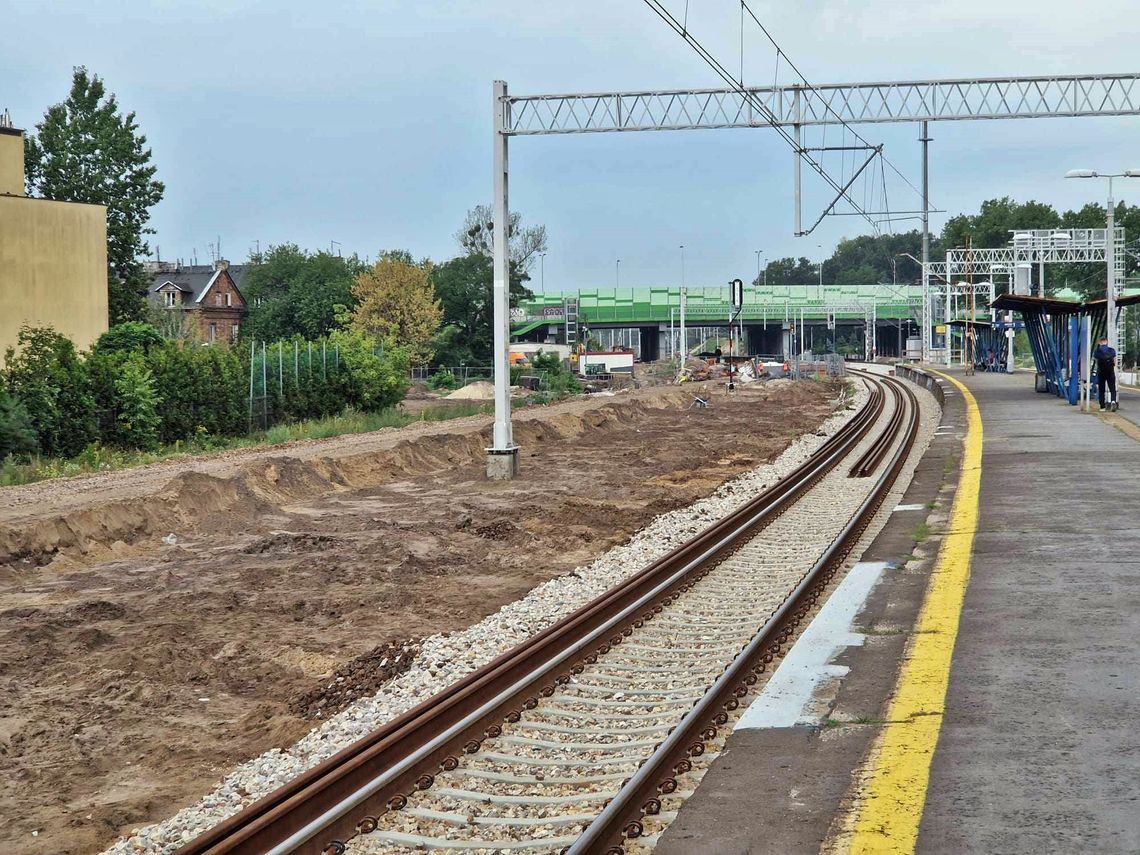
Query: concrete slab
[{"x": 1039, "y": 749}]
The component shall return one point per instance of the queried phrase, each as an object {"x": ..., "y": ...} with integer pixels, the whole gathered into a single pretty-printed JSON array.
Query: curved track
[{"x": 577, "y": 739}]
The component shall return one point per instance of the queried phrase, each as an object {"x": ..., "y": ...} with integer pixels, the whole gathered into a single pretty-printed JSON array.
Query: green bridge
[{"x": 646, "y": 319}]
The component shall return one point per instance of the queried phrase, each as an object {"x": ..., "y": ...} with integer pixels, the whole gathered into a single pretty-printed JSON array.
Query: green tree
[
  {"x": 465, "y": 287},
  {"x": 375, "y": 382},
  {"x": 994, "y": 224},
  {"x": 130, "y": 336},
  {"x": 295, "y": 293},
  {"x": 785, "y": 272},
  {"x": 46, "y": 374},
  {"x": 137, "y": 420},
  {"x": 86, "y": 150},
  {"x": 17, "y": 433}
]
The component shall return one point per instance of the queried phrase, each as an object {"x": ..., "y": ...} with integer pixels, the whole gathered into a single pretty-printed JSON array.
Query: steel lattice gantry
[
  {"x": 795, "y": 106},
  {"x": 827, "y": 104}
]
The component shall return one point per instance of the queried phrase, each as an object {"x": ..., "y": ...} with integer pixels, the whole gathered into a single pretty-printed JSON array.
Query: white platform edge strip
[{"x": 786, "y": 700}]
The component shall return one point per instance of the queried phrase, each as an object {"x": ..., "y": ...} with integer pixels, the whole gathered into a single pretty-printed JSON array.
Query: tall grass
[{"x": 100, "y": 458}]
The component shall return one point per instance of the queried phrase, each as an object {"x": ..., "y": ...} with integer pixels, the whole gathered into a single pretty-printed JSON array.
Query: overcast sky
[{"x": 369, "y": 123}]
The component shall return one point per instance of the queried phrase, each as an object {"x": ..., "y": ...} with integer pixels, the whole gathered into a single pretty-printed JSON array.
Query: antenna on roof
[
  {"x": 194, "y": 257},
  {"x": 5, "y": 119}
]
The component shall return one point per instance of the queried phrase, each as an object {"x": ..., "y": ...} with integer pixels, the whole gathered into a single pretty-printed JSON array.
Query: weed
[{"x": 921, "y": 532}]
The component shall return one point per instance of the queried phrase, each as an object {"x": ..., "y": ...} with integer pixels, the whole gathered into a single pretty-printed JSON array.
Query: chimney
[
  {"x": 221, "y": 264},
  {"x": 11, "y": 158}
]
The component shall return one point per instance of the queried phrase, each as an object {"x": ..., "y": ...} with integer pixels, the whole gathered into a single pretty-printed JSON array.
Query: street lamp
[
  {"x": 542, "y": 275},
  {"x": 681, "y": 308},
  {"x": 1109, "y": 242},
  {"x": 617, "y": 273},
  {"x": 760, "y": 252},
  {"x": 819, "y": 246}
]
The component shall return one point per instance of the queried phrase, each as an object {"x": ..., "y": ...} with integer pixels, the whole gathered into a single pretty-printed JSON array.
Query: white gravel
[{"x": 444, "y": 659}]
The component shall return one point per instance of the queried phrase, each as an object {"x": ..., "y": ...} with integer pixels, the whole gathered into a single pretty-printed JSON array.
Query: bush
[
  {"x": 130, "y": 337},
  {"x": 137, "y": 421},
  {"x": 442, "y": 380},
  {"x": 203, "y": 391},
  {"x": 17, "y": 434},
  {"x": 45, "y": 373},
  {"x": 558, "y": 379},
  {"x": 374, "y": 382}
]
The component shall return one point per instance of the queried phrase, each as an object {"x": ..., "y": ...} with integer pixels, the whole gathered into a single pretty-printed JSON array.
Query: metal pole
[
  {"x": 684, "y": 338},
  {"x": 502, "y": 459},
  {"x": 264, "y": 390},
  {"x": 1110, "y": 263},
  {"x": 798, "y": 106},
  {"x": 927, "y": 329}
]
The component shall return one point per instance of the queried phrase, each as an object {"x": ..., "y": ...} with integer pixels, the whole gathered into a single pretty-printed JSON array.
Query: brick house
[{"x": 207, "y": 294}]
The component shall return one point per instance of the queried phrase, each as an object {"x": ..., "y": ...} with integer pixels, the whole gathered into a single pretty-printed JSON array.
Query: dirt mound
[
  {"x": 196, "y": 501},
  {"x": 480, "y": 390}
]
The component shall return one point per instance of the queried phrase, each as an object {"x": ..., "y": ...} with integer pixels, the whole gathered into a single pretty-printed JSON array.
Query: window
[
  {"x": 213, "y": 332},
  {"x": 234, "y": 332},
  {"x": 228, "y": 303},
  {"x": 217, "y": 299},
  {"x": 170, "y": 298}
]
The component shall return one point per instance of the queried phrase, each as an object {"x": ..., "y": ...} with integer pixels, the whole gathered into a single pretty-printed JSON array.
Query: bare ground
[{"x": 134, "y": 673}]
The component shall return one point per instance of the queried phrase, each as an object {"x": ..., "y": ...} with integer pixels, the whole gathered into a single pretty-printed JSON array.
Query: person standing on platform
[{"x": 1105, "y": 357}]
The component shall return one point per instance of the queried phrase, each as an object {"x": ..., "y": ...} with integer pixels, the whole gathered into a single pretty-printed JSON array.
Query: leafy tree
[
  {"x": 137, "y": 420},
  {"x": 294, "y": 293},
  {"x": 129, "y": 336},
  {"x": 46, "y": 374},
  {"x": 375, "y": 382},
  {"x": 86, "y": 150},
  {"x": 465, "y": 287},
  {"x": 17, "y": 433},
  {"x": 784, "y": 272},
  {"x": 993, "y": 224},
  {"x": 395, "y": 302},
  {"x": 477, "y": 236}
]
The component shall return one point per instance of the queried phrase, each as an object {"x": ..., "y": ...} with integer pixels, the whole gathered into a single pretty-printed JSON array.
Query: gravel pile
[{"x": 446, "y": 658}]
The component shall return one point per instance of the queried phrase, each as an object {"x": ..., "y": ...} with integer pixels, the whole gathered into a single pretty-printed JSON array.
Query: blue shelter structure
[{"x": 1056, "y": 329}]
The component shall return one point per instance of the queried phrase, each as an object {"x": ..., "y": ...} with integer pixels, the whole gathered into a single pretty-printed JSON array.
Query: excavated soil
[{"x": 160, "y": 625}]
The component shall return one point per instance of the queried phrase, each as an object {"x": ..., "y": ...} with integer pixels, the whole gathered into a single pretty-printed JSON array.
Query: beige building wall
[
  {"x": 53, "y": 268},
  {"x": 11, "y": 162}
]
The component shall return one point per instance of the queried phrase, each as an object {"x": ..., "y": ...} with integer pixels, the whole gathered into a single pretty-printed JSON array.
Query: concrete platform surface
[{"x": 1040, "y": 743}]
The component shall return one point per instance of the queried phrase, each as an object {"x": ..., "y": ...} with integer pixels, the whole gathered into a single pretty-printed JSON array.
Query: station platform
[{"x": 1019, "y": 654}]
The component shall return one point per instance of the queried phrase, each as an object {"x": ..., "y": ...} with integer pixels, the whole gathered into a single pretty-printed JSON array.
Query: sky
[{"x": 364, "y": 126}]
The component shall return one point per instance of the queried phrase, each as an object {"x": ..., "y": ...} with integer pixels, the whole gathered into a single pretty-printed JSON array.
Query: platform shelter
[{"x": 1058, "y": 331}]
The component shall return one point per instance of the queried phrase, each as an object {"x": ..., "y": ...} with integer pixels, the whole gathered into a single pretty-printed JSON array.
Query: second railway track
[{"x": 580, "y": 738}]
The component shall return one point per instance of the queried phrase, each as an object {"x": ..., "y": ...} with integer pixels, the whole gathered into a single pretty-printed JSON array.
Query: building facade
[
  {"x": 53, "y": 257},
  {"x": 209, "y": 295}
]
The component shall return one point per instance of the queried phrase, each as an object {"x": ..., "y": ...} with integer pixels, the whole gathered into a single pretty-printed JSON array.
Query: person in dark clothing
[{"x": 1105, "y": 357}]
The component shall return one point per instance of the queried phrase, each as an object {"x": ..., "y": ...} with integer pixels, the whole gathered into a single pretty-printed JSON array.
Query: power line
[{"x": 842, "y": 190}]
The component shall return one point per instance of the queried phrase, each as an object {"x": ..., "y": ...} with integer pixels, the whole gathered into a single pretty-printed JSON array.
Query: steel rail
[
  {"x": 340, "y": 797},
  {"x": 623, "y": 816},
  {"x": 873, "y": 456}
]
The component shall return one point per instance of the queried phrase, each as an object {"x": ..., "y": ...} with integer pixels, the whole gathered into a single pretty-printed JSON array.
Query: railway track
[{"x": 579, "y": 739}]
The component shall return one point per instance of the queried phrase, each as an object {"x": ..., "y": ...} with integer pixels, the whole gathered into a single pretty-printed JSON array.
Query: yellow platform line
[{"x": 889, "y": 805}]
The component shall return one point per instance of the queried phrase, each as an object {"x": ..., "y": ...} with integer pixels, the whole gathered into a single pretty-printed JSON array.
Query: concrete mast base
[{"x": 502, "y": 464}]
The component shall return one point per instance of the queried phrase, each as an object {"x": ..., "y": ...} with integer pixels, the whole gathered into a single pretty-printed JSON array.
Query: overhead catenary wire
[
  {"x": 823, "y": 101},
  {"x": 841, "y": 189}
]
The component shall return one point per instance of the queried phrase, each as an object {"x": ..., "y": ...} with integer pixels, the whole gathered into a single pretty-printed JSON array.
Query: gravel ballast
[{"x": 444, "y": 659}]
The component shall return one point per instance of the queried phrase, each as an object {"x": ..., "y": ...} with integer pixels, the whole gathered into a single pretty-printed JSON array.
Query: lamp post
[
  {"x": 760, "y": 252},
  {"x": 681, "y": 297},
  {"x": 1109, "y": 242},
  {"x": 819, "y": 295},
  {"x": 542, "y": 269},
  {"x": 617, "y": 273}
]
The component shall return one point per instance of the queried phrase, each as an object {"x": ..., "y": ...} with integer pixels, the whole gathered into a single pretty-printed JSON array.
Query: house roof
[{"x": 194, "y": 279}]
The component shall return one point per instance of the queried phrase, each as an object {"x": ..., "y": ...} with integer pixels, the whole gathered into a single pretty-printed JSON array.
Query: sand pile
[{"x": 480, "y": 390}]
